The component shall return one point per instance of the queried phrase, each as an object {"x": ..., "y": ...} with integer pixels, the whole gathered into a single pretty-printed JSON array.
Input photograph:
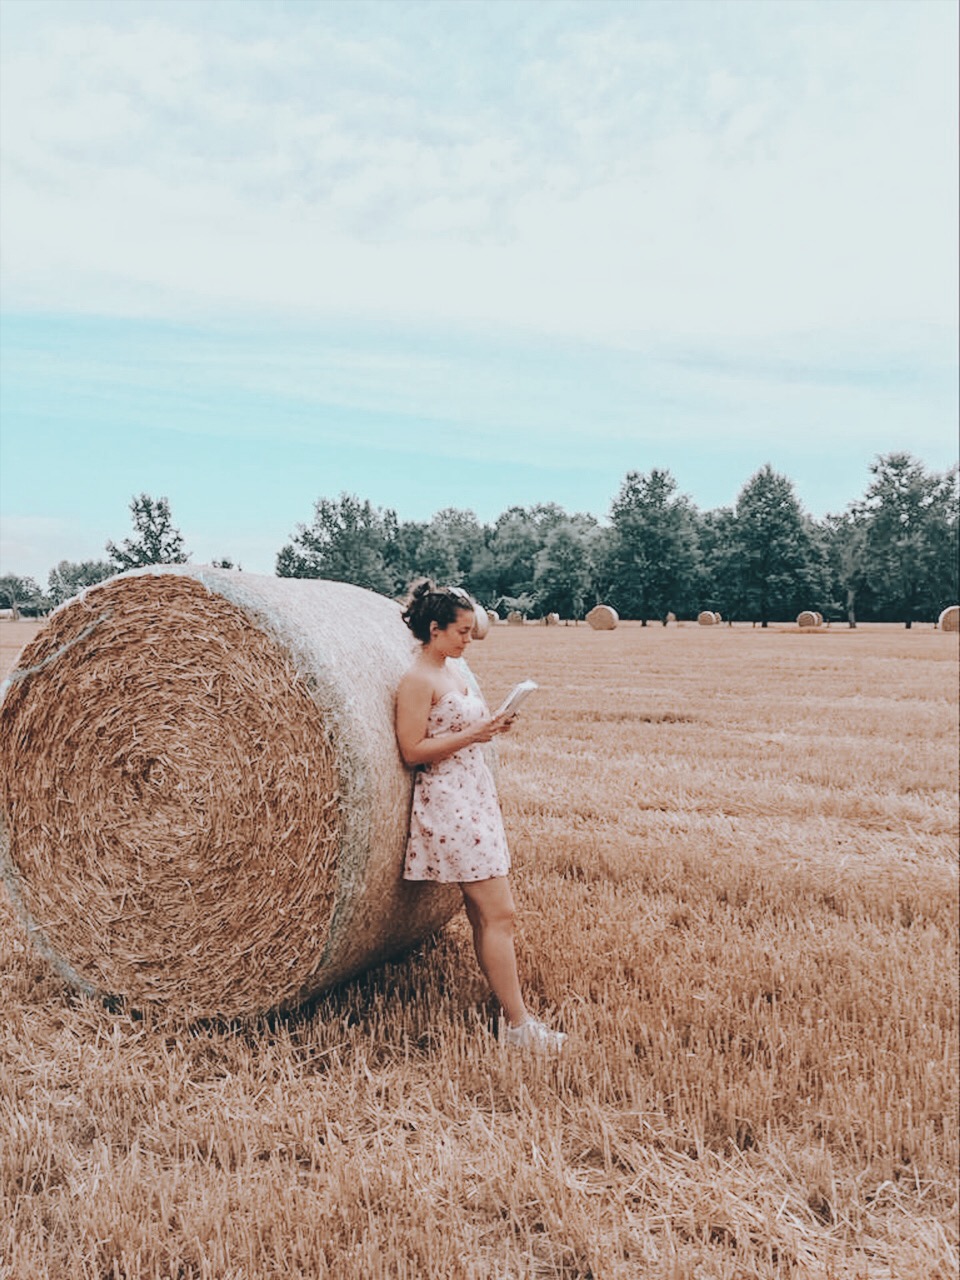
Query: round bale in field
[
  {"x": 552, "y": 620},
  {"x": 603, "y": 617},
  {"x": 949, "y": 620},
  {"x": 493, "y": 617},
  {"x": 707, "y": 618},
  {"x": 808, "y": 618},
  {"x": 202, "y": 803},
  {"x": 515, "y": 618},
  {"x": 481, "y": 623}
]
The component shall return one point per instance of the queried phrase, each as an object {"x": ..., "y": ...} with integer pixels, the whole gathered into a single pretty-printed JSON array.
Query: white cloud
[{"x": 634, "y": 180}]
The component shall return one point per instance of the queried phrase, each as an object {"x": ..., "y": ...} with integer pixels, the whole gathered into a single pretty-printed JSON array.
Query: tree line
[{"x": 892, "y": 555}]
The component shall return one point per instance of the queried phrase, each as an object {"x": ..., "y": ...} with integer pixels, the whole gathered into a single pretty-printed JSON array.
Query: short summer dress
[{"x": 456, "y": 829}]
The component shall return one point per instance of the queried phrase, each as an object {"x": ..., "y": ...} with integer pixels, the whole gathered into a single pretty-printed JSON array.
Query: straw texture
[
  {"x": 949, "y": 619},
  {"x": 203, "y": 805},
  {"x": 481, "y": 623},
  {"x": 603, "y": 617},
  {"x": 809, "y": 618},
  {"x": 707, "y": 618}
]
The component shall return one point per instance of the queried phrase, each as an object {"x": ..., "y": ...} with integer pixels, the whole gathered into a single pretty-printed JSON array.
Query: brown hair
[{"x": 429, "y": 603}]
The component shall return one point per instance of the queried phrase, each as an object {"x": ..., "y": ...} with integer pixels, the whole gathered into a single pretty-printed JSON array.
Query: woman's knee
[
  {"x": 500, "y": 915},
  {"x": 488, "y": 909}
]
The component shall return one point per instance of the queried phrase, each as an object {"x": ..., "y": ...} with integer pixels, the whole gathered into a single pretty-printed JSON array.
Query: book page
[{"x": 512, "y": 701}]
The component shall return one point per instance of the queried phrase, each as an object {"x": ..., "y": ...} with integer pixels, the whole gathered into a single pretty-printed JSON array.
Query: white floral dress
[{"x": 456, "y": 829}]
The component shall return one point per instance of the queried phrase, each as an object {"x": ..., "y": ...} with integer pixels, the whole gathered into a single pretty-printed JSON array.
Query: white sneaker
[{"x": 532, "y": 1034}]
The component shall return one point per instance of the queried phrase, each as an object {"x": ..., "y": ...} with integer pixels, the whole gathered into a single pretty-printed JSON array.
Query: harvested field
[{"x": 736, "y": 865}]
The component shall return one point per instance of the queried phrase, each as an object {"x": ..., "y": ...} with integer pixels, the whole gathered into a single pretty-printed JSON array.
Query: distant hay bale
[
  {"x": 949, "y": 620},
  {"x": 493, "y": 617},
  {"x": 819, "y": 617},
  {"x": 717, "y": 617},
  {"x": 515, "y": 619},
  {"x": 481, "y": 623},
  {"x": 552, "y": 620},
  {"x": 603, "y": 618},
  {"x": 671, "y": 617},
  {"x": 202, "y": 804},
  {"x": 809, "y": 619},
  {"x": 707, "y": 618}
]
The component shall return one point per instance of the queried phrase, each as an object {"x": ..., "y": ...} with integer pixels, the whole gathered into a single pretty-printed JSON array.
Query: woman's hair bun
[
  {"x": 428, "y": 603},
  {"x": 423, "y": 588}
]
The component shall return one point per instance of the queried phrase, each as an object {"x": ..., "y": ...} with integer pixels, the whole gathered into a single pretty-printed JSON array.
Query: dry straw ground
[{"x": 736, "y": 868}]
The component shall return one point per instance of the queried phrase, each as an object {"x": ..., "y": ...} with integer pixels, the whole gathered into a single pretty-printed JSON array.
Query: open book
[{"x": 513, "y": 699}]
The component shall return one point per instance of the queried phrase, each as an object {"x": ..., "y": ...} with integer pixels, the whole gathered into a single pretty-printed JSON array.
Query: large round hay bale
[
  {"x": 552, "y": 620},
  {"x": 707, "y": 618},
  {"x": 515, "y": 619},
  {"x": 603, "y": 618},
  {"x": 493, "y": 617},
  {"x": 949, "y": 620},
  {"x": 203, "y": 805},
  {"x": 807, "y": 619},
  {"x": 481, "y": 624}
]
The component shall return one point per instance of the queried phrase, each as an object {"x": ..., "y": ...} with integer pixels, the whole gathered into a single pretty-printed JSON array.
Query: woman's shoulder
[{"x": 416, "y": 683}]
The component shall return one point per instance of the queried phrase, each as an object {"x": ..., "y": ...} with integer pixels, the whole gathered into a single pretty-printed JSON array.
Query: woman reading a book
[{"x": 456, "y": 829}]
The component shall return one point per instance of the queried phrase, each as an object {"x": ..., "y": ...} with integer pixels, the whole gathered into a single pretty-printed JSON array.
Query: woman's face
[{"x": 452, "y": 640}]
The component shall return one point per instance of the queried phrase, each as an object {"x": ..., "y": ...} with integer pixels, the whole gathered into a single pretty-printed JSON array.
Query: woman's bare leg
[{"x": 491, "y": 912}]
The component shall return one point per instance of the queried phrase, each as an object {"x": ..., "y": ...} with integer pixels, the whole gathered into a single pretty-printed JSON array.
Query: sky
[{"x": 476, "y": 255}]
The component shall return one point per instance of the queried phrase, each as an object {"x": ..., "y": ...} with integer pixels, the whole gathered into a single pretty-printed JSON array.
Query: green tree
[
  {"x": 562, "y": 569},
  {"x": 778, "y": 565},
  {"x": 402, "y": 550},
  {"x": 347, "y": 542},
  {"x": 450, "y": 543},
  {"x": 68, "y": 579},
  {"x": 514, "y": 543},
  {"x": 602, "y": 564},
  {"x": 847, "y": 551},
  {"x": 481, "y": 581},
  {"x": 156, "y": 540},
  {"x": 655, "y": 547},
  {"x": 719, "y": 580},
  {"x": 909, "y": 517},
  {"x": 22, "y": 595}
]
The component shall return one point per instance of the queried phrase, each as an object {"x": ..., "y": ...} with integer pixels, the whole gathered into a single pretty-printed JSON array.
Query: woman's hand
[{"x": 487, "y": 730}]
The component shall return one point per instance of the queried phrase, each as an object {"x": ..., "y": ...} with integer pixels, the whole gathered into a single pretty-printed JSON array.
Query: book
[{"x": 513, "y": 699}]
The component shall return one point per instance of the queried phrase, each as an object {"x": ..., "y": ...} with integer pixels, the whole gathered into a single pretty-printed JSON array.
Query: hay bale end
[
  {"x": 481, "y": 622},
  {"x": 603, "y": 617},
  {"x": 202, "y": 804}
]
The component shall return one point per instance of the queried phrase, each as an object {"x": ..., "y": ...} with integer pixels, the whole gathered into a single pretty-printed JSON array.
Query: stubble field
[{"x": 735, "y": 857}]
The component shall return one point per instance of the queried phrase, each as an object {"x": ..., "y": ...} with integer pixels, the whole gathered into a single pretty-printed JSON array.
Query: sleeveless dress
[{"x": 456, "y": 829}]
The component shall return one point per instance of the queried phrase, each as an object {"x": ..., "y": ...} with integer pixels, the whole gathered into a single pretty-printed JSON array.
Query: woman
[{"x": 456, "y": 830}]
